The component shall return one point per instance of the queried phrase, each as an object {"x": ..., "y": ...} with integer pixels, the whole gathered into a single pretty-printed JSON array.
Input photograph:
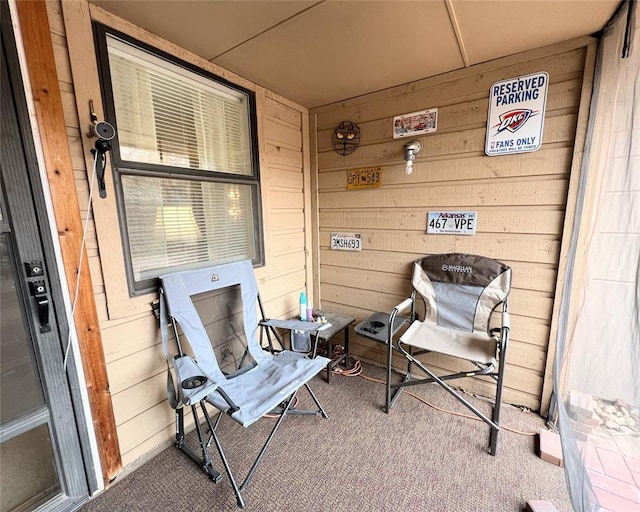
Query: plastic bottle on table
[{"x": 303, "y": 306}]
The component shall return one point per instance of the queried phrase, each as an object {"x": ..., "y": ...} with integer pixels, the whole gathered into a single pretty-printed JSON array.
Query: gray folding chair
[
  {"x": 255, "y": 383},
  {"x": 459, "y": 294}
]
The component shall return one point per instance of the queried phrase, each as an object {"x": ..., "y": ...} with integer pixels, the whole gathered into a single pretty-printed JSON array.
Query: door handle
[{"x": 39, "y": 292}]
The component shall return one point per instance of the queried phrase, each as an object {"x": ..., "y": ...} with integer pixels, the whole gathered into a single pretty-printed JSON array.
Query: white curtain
[{"x": 597, "y": 366}]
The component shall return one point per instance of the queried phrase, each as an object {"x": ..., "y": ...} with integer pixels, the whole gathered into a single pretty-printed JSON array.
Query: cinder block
[
  {"x": 540, "y": 506},
  {"x": 580, "y": 427},
  {"x": 550, "y": 447},
  {"x": 592, "y": 420},
  {"x": 581, "y": 403}
]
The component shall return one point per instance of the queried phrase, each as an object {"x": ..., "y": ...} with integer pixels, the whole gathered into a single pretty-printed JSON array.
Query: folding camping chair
[
  {"x": 459, "y": 293},
  {"x": 261, "y": 382}
]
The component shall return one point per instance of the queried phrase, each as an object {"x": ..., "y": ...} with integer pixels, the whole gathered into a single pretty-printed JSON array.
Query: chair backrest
[
  {"x": 461, "y": 290},
  {"x": 178, "y": 289}
]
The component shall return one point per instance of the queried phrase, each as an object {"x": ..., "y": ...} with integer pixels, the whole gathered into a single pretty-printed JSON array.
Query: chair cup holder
[
  {"x": 373, "y": 327},
  {"x": 376, "y": 327},
  {"x": 194, "y": 382}
]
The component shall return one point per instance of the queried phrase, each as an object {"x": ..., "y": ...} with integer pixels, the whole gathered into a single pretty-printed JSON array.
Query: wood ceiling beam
[{"x": 456, "y": 29}]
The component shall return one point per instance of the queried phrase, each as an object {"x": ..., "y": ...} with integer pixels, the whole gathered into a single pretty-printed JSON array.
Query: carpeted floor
[{"x": 360, "y": 459}]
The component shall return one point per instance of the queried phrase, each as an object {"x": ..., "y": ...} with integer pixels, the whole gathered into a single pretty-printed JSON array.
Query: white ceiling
[{"x": 318, "y": 52}]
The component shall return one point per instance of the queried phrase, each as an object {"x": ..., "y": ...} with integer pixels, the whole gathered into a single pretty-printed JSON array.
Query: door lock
[
  {"x": 39, "y": 292},
  {"x": 34, "y": 268}
]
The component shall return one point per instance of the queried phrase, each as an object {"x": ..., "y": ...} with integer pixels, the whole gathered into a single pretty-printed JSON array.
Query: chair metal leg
[
  {"x": 460, "y": 399},
  {"x": 238, "y": 489},
  {"x": 493, "y": 436},
  {"x": 392, "y": 396},
  {"x": 225, "y": 463},
  {"x": 313, "y": 396},
  {"x": 387, "y": 402},
  {"x": 203, "y": 461}
]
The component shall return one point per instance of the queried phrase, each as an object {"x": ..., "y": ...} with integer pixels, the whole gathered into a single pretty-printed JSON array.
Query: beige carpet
[{"x": 360, "y": 459}]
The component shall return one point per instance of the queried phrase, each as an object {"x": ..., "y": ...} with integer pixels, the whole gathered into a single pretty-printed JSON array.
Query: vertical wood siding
[
  {"x": 520, "y": 200},
  {"x": 135, "y": 365}
]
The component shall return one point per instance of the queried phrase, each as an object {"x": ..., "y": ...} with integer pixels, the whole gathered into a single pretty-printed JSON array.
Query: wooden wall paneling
[
  {"x": 130, "y": 330},
  {"x": 61, "y": 57},
  {"x": 145, "y": 425},
  {"x": 562, "y": 98},
  {"x": 133, "y": 401},
  {"x": 93, "y": 262},
  {"x": 278, "y": 110},
  {"x": 556, "y": 129},
  {"x": 265, "y": 180},
  {"x": 285, "y": 156},
  {"x": 520, "y": 199},
  {"x": 476, "y": 193},
  {"x": 282, "y": 265},
  {"x": 126, "y": 338},
  {"x": 280, "y": 132},
  {"x": 287, "y": 199},
  {"x": 86, "y": 85},
  {"x": 136, "y": 367},
  {"x": 564, "y": 61},
  {"x": 147, "y": 448},
  {"x": 526, "y": 275},
  {"x": 512, "y": 247},
  {"x": 152, "y": 446},
  {"x": 288, "y": 284},
  {"x": 69, "y": 107},
  {"x": 375, "y": 352},
  {"x": 313, "y": 261},
  {"x": 54, "y": 15},
  {"x": 523, "y": 302},
  {"x": 39, "y": 52},
  {"x": 489, "y": 220},
  {"x": 527, "y": 356},
  {"x": 544, "y": 162},
  {"x": 285, "y": 178},
  {"x": 284, "y": 219},
  {"x": 530, "y": 330},
  {"x": 284, "y": 243}
]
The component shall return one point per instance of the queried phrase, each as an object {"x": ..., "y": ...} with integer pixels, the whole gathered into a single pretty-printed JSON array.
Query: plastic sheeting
[{"x": 597, "y": 366}]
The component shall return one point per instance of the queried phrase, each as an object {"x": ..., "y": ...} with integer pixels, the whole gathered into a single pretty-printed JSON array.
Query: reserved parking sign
[{"x": 516, "y": 114}]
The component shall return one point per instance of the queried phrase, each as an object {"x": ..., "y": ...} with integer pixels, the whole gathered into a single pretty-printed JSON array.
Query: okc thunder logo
[{"x": 514, "y": 119}]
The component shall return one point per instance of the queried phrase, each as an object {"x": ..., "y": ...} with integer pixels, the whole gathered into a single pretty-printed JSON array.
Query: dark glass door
[{"x": 41, "y": 462}]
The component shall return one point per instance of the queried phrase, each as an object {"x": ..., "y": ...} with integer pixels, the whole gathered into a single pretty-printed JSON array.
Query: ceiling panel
[
  {"x": 491, "y": 29},
  {"x": 342, "y": 49},
  {"x": 321, "y": 51},
  {"x": 206, "y": 28}
]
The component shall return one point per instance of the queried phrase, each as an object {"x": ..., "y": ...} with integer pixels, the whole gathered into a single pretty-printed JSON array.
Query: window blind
[
  {"x": 178, "y": 224},
  {"x": 186, "y": 173},
  {"x": 166, "y": 114}
]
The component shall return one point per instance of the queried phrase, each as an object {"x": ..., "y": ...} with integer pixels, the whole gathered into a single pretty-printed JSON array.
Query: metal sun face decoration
[{"x": 346, "y": 138}]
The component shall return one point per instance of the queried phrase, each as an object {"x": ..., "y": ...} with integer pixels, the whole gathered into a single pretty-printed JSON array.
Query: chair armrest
[
  {"x": 506, "y": 320},
  {"x": 194, "y": 384},
  {"x": 403, "y": 305}
]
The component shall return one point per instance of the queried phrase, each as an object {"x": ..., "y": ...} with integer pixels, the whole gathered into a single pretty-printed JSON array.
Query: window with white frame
[{"x": 185, "y": 161}]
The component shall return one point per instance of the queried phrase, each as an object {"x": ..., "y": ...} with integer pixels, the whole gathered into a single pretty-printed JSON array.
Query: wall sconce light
[{"x": 411, "y": 149}]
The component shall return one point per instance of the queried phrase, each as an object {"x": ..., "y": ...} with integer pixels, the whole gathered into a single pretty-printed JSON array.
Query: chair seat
[
  {"x": 262, "y": 388},
  {"x": 473, "y": 346}
]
